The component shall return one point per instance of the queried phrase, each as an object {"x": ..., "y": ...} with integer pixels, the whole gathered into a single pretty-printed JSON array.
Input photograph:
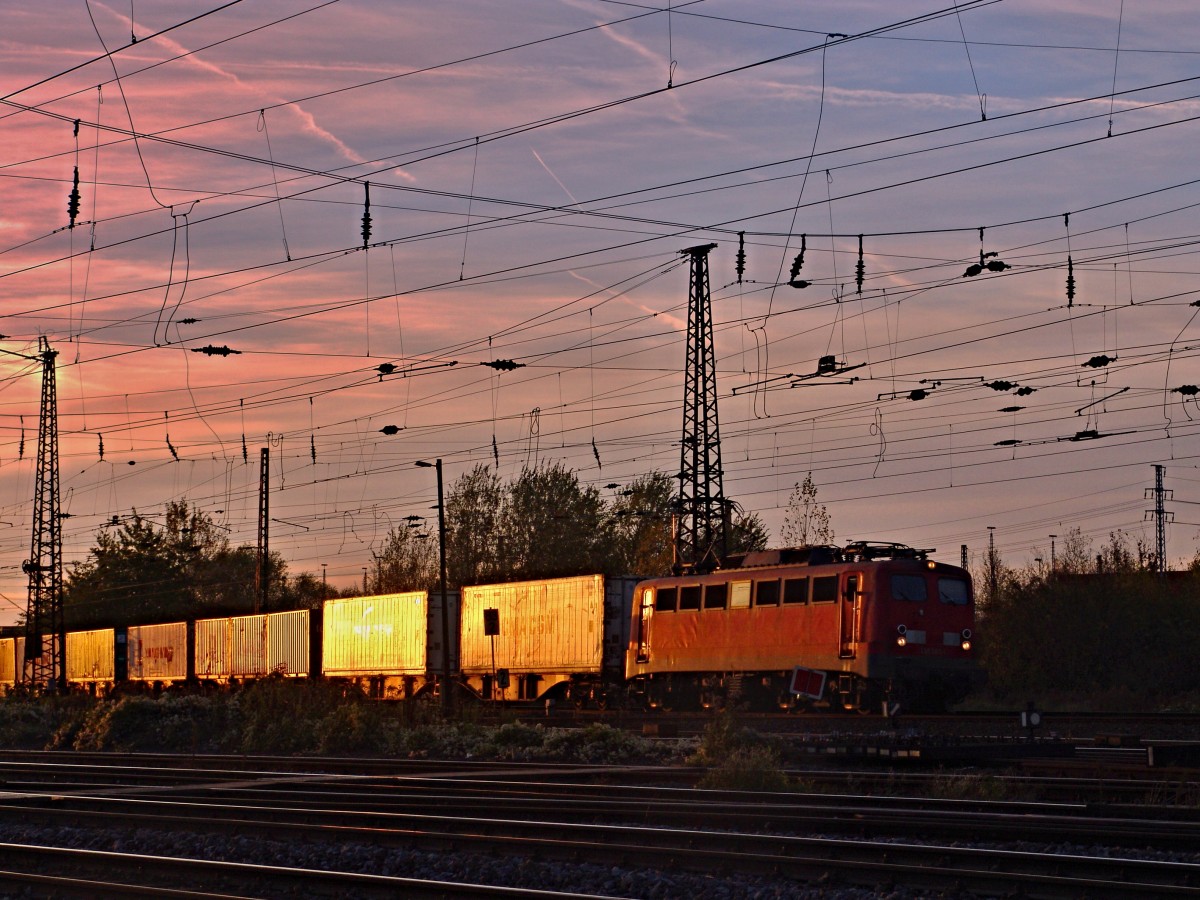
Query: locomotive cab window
[
  {"x": 953, "y": 591},
  {"x": 824, "y": 589},
  {"x": 664, "y": 599},
  {"x": 795, "y": 590},
  {"x": 910, "y": 587},
  {"x": 715, "y": 596},
  {"x": 689, "y": 597},
  {"x": 766, "y": 593},
  {"x": 739, "y": 595}
]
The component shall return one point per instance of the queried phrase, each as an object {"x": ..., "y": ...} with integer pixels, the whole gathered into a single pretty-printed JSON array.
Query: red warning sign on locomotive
[{"x": 808, "y": 682}]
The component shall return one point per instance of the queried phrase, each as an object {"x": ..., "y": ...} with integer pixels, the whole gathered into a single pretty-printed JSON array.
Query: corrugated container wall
[
  {"x": 158, "y": 652},
  {"x": 212, "y": 648},
  {"x": 248, "y": 646},
  {"x": 8, "y": 662},
  {"x": 21, "y": 657},
  {"x": 553, "y": 625},
  {"x": 253, "y": 646},
  {"x": 288, "y": 643},
  {"x": 90, "y": 655},
  {"x": 380, "y": 635}
]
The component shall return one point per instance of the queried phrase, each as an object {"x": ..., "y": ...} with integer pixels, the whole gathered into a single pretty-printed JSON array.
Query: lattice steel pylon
[
  {"x": 1161, "y": 518},
  {"x": 700, "y": 537},
  {"x": 44, "y": 666},
  {"x": 262, "y": 575}
]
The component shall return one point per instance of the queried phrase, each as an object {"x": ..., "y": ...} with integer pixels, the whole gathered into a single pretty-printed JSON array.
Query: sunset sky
[{"x": 534, "y": 170}]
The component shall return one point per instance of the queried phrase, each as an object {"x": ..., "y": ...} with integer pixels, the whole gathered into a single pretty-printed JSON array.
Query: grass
[{"x": 288, "y": 717}]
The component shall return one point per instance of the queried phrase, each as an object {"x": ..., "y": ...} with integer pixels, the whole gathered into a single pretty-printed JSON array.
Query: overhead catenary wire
[{"x": 887, "y": 261}]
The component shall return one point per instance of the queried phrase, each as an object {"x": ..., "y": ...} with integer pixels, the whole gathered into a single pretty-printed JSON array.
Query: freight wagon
[
  {"x": 10, "y": 668},
  {"x": 91, "y": 658},
  {"x": 238, "y": 648},
  {"x": 158, "y": 655},
  {"x": 560, "y": 638},
  {"x": 389, "y": 645}
]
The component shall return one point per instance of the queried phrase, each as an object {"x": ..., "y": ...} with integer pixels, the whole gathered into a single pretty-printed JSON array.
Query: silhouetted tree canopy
[{"x": 177, "y": 566}]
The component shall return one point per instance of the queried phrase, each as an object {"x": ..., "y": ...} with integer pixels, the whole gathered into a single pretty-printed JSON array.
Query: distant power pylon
[
  {"x": 44, "y": 665},
  {"x": 1161, "y": 517},
  {"x": 700, "y": 538},
  {"x": 262, "y": 570}
]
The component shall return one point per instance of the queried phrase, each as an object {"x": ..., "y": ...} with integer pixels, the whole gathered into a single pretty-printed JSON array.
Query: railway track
[{"x": 851, "y": 839}]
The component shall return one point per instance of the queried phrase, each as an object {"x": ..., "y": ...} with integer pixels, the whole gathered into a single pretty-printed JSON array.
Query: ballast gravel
[{"x": 507, "y": 871}]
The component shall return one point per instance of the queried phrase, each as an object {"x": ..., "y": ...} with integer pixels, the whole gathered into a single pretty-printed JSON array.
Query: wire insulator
[
  {"x": 1070, "y": 282},
  {"x": 366, "y": 219},
  {"x": 740, "y": 265},
  {"x": 73, "y": 200},
  {"x": 798, "y": 262},
  {"x": 859, "y": 269}
]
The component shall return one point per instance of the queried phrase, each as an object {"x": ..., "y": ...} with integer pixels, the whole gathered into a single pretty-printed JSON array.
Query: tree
[
  {"x": 304, "y": 591},
  {"x": 553, "y": 526},
  {"x": 408, "y": 561},
  {"x": 748, "y": 532},
  {"x": 641, "y": 527},
  {"x": 474, "y": 509},
  {"x": 142, "y": 571},
  {"x": 546, "y": 524},
  {"x": 806, "y": 522},
  {"x": 1076, "y": 555}
]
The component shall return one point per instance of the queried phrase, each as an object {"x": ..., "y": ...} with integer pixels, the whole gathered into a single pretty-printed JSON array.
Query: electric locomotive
[{"x": 852, "y": 628}]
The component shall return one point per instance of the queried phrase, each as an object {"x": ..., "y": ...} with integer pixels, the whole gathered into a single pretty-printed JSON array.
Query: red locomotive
[{"x": 845, "y": 627}]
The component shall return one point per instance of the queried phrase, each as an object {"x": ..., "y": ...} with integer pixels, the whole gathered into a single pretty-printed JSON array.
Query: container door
[
  {"x": 643, "y": 628},
  {"x": 851, "y": 604}
]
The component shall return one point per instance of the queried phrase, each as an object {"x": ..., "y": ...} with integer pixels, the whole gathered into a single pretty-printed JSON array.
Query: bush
[
  {"x": 723, "y": 738},
  {"x": 597, "y": 744},
  {"x": 27, "y": 723},
  {"x": 748, "y": 769},
  {"x": 281, "y": 716},
  {"x": 130, "y": 724},
  {"x": 354, "y": 728}
]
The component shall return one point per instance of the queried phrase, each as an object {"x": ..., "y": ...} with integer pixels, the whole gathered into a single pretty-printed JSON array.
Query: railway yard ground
[{"x": 748, "y": 806}]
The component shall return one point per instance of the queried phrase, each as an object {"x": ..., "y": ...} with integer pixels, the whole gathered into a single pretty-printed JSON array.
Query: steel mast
[
  {"x": 44, "y": 665},
  {"x": 700, "y": 536}
]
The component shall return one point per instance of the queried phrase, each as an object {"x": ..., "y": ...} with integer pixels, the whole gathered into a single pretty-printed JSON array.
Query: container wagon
[
  {"x": 91, "y": 659},
  {"x": 158, "y": 655},
  {"x": 247, "y": 647},
  {"x": 389, "y": 645},
  {"x": 10, "y": 668},
  {"x": 558, "y": 638}
]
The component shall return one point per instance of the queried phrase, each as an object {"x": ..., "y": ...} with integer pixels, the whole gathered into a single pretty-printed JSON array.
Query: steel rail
[
  {"x": 159, "y": 873},
  {"x": 805, "y": 858}
]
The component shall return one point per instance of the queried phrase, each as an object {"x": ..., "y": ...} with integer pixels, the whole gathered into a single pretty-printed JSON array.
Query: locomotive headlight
[
  {"x": 901, "y": 638},
  {"x": 966, "y": 645},
  {"x": 966, "y": 638}
]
